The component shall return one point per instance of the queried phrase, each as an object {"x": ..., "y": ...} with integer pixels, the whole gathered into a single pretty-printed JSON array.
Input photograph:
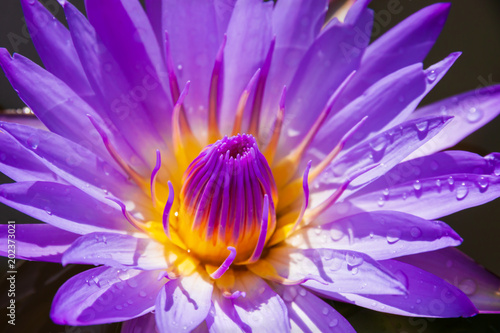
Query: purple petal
[
  {"x": 136, "y": 50},
  {"x": 41, "y": 242},
  {"x": 336, "y": 270},
  {"x": 381, "y": 235},
  {"x": 222, "y": 317},
  {"x": 54, "y": 46},
  {"x": 381, "y": 102},
  {"x": 383, "y": 151},
  {"x": 471, "y": 111},
  {"x": 115, "y": 250},
  {"x": 195, "y": 33},
  {"x": 142, "y": 324},
  {"x": 328, "y": 62},
  {"x": 433, "y": 186},
  {"x": 308, "y": 313},
  {"x": 23, "y": 120},
  {"x": 249, "y": 35},
  {"x": 105, "y": 295},
  {"x": 122, "y": 103},
  {"x": 428, "y": 296},
  {"x": 262, "y": 309},
  {"x": 73, "y": 163},
  {"x": 58, "y": 107},
  {"x": 64, "y": 206},
  {"x": 18, "y": 163},
  {"x": 183, "y": 304},
  {"x": 407, "y": 43},
  {"x": 456, "y": 268},
  {"x": 296, "y": 25}
]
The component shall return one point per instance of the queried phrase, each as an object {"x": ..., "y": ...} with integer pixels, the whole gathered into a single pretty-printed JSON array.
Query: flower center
[{"x": 227, "y": 199}]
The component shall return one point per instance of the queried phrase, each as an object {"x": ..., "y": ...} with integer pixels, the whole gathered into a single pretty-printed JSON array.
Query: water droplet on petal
[
  {"x": 33, "y": 142},
  {"x": 451, "y": 181},
  {"x": 333, "y": 323},
  {"x": 289, "y": 294},
  {"x": 118, "y": 307},
  {"x": 325, "y": 311},
  {"x": 474, "y": 115},
  {"x": 418, "y": 301},
  {"x": 434, "y": 165},
  {"x": 353, "y": 259},
  {"x": 468, "y": 286},
  {"x": 381, "y": 201},
  {"x": 336, "y": 233},
  {"x": 302, "y": 292},
  {"x": 422, "y": 126},
  {"x": 48, "y": 210},
  {"x": 462, "y": 191},
  {"x": 417, "y": 185},
  {"x": 415, "y": 232},
  {"x": 354, "y": 271},
  {"x": 483, "y": 182},
  {"x": 393, "y": 235},
  {"x": 431, "y": 76},
  {"x": 386, "y": 191},
  {"x": 438, "y": 182}
]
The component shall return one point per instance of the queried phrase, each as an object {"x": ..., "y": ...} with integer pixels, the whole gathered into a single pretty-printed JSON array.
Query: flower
[{"x": 225, "y": 162}]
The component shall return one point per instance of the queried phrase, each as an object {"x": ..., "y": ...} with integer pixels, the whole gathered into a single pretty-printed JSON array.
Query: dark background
[{"x": 473, "y": 27}]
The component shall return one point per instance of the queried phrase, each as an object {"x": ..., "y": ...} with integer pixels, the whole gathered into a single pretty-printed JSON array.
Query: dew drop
[
  {"x": 462, "y": 191},
  {"x": 417, "y": 185},
  {"x": 118, "y": 307},
  {"x": 371, "y": 234},
  {"x": 302, "y": 292},
  {"x": 336, "y": 234},
  {"x": 142, "y": 293},
  {"x": 289, "y": 294},
  {"x": 386, "y": 191},
  {"x": 431, "y": 76},
  {"x": 415, "y": 232},
  {"x": 405, "y": 196},
  {"x": 483, "y": 182},
  {"x": 353, "y": 259},
  {"x": 325, "y": 311},
  {"x": 438, "y": 182},
  {"x": 381, "y": 201},
  {"x": 451, "y": 181},
  {"x": 33, "y": 142},
  {"x": 474, "y": 115},
  {"x": 179, "y": 67},
  {"x": 333, "y": 323},
  {"x": 434, "y": 165},
  {"x": 422, "y": 126},
  {"x": 393, "y": 235},
  {"x": 355, "y": 271},
  {"x": 468, "y": 286},
  {"x": 48, "y": 210},
  {"x": 418, "y": 301}
]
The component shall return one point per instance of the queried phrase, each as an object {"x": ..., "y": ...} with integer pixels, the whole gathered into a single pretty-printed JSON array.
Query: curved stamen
[
  {"x": 166, "y": 210},
  {"x": 243, "y": 102},
  {"x": 177, "y": 130},
  {"x": 335, "y": 151},
  {"x": 174, "y": 84},
  {"x": 305, "y": 187},
  {"x": 213, "y": 121},
  {"x": 287, "y": 167},
  {"x": 225, "y": 265},
  {"x": 262, "y": 234},
  {"x": 313, "y": 213},
  {"x": 259, "y": 93},
  {"x": 291, "y": 193},
  {"x": 154, "y": 174},
  {"x": 139, "y": 225},
  {"x": 132, "y": 174},
  {"x": 278, "y": 123}
]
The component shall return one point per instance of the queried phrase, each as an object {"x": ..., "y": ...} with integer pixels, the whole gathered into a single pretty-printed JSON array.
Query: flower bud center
[{"x": 222, "y": 199}]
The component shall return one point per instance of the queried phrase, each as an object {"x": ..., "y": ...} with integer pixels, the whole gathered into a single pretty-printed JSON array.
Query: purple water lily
[{"x": 226, "y": 163}]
